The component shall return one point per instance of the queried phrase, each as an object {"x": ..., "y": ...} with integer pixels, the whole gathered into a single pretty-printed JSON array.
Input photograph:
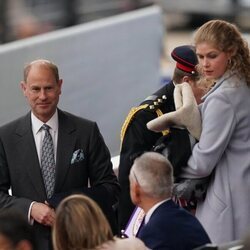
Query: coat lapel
[
  {"x": 65, "y": 148},
  {"x": 29, "y": 154}
]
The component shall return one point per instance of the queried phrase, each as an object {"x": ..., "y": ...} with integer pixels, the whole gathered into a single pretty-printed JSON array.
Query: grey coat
[{"x": 223, "y": 152}]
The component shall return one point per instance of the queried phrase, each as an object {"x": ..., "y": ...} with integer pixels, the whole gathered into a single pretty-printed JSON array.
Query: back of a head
[
  {"x": 16, "y": 229},
  {"x": 80, "y": 224},
  {"x": 154, "y": 173}
]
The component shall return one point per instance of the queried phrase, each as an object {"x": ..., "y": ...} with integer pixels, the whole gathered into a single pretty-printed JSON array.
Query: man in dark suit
[
  {"x": 165, "y": 225},
  {"x": 137, "y": 138},
  {"x": 80, "y": 162}
]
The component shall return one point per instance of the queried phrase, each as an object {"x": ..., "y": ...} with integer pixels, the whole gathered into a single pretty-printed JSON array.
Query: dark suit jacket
[
  {"x": 20, "y": 168},
  {"x": 172, "y": 228}
]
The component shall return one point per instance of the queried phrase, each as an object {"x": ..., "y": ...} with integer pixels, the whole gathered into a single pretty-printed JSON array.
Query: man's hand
[{"x": 43, "y": 213}]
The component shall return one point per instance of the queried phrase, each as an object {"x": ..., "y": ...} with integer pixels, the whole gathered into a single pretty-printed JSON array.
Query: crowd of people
[
  {"x": 21, "y": 19},
  {"x": 65, "y": 194}
]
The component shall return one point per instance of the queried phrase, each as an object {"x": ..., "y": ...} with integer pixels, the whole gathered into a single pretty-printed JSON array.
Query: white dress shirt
[{"x": 38, "y": 134}]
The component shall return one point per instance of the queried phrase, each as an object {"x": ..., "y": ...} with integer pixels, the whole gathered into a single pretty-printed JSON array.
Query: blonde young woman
[
  {"x": 223, "y": 150},
  {"x": 80, "y": 224}
]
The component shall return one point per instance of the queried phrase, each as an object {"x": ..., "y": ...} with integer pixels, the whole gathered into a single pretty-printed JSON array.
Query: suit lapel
[
  {"x": 28, "y": 154},
  {"x": 65, "y": 147}
]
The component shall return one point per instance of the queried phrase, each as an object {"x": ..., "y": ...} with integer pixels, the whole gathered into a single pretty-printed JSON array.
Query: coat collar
[{"x": 219, "y": 84}]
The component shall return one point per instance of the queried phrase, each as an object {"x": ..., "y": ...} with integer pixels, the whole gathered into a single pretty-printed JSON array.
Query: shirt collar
[
  {"x": 152, "y": 209},
  {"x": 37, "y": 124}
]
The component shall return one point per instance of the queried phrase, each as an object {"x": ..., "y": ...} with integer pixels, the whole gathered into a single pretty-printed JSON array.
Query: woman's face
[{"x": 213, "y": 61}]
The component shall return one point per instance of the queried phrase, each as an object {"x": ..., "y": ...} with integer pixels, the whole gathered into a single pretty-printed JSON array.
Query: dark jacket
[
  {"x": 20, "y": 168},
  {"x": 138, "y": 139},
  {"x": 172, "y": 228}
]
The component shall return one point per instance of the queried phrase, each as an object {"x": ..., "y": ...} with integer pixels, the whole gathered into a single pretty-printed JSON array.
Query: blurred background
[
  {"x": 24, "y": 18},
  {"x": 111, "y": 54}
]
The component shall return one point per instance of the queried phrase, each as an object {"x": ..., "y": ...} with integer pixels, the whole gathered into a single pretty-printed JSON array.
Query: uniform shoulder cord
[{"x": 130, "y": 116}]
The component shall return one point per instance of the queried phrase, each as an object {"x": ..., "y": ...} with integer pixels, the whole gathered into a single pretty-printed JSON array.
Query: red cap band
[{"x": 184, "y": 68}]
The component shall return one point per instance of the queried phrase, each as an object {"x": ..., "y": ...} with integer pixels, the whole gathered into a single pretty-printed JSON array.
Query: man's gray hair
[
  {"x": 154, "y": 174},
  {"x": 41, "y": 62}
]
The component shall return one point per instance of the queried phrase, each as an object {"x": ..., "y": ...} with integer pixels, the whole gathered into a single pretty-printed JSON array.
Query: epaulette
[
  {"x": 156, "y": 107},
  {"x": 129, "y": 118},
  {"x": 154, "y": 102},
  {"x": 153, "y": 107}
]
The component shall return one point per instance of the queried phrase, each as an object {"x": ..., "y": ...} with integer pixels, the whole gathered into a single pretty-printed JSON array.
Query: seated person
[
  {"x": 165, "y": 225},
  {"x": 15, "y": 232},
  {"x": 81, "y": 224}
]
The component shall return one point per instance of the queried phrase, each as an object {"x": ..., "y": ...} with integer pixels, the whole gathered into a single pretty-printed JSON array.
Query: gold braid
[{"x": 130, "y": 116}]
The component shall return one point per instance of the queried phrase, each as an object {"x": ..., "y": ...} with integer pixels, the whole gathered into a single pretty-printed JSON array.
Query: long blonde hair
[
  {"x": 226, "y": 37},
  {"x": 80, "y": 224}
]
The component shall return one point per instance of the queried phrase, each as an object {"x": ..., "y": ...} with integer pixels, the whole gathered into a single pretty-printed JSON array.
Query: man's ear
[
  {"x": 23, "y": 87},
  {"x": 136, "y": 192},
  {"x": 60, "y": 82},
  {"x": 185, "y": 79}
]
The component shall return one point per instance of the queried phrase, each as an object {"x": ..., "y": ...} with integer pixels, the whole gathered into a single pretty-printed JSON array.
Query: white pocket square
[{"x": 77, "y": 156}]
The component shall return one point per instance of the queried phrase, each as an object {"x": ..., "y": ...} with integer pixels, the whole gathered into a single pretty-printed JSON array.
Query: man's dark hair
[{"x": 179, "y": 74}]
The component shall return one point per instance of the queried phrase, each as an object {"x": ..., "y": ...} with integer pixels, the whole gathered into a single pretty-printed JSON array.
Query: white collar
[
  {"x": 37, "y": 124},
  {"x": 152, "y": 209}
]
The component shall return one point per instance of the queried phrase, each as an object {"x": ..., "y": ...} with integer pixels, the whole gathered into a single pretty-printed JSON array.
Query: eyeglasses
[{"x": 134, "y": 175}]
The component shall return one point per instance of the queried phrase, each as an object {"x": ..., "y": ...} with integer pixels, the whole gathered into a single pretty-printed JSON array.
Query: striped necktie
[{"x": 48, "y": 161}]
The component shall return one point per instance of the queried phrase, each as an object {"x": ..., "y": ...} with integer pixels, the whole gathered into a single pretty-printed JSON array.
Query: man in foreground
[
  {"x": 48, "y": 154},
  {"x": 165, "y": 225}
]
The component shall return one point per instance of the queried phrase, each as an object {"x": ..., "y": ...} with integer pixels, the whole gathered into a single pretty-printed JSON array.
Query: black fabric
[
  {"x": 177, "y": 145},
  {"x": 100, "y": 195},
  {"x": 137, "y": 140},
  {"x": 185, "y": 55}
]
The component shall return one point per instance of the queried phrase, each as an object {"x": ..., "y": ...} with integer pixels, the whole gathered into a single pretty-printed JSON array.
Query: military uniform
[
  {"x": 135, "y": 136},
  {"x": 138, "y": 139}
]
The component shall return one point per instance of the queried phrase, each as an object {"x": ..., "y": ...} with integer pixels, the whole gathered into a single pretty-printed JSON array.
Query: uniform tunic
[{"x": 138, "y": 139}]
